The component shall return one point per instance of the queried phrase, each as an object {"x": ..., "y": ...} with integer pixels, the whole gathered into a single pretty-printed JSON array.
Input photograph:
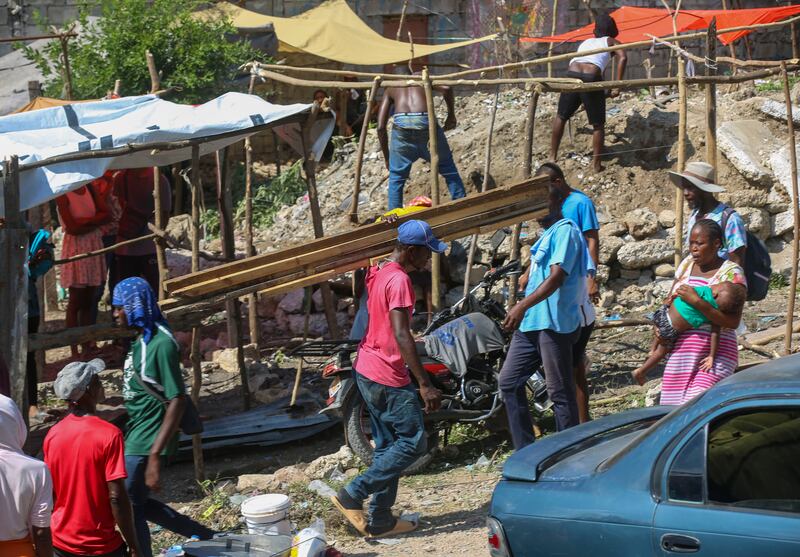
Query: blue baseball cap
[{"x": 419, "y": 233}]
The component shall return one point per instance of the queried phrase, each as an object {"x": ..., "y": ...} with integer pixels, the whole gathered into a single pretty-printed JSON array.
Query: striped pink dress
[{"x": 683, "y": 379}]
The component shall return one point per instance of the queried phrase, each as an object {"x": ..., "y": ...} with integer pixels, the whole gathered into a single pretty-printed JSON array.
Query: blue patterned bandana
[{"x": 138, "y": 300}]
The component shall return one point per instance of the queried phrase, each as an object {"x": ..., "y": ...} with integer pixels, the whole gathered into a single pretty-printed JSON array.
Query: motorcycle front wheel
[{"x": 358, "y": 432}]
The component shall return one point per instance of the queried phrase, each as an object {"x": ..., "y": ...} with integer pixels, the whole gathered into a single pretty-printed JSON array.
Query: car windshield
[{"x": 643, "y": 435}]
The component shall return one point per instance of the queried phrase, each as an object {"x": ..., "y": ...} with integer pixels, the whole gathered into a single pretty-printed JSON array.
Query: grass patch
[{"x": 778, "y": 280}]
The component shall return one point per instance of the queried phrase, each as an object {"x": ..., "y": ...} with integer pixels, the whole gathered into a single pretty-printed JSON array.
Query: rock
[
  {"x": 653, "y": 394},
  {"x": 777, "y": 199},
  {"x": 639, "y": 255},
  {"x": 266, "y": 306},
  {"x": 273, "y": 394},
  {"x": 630, "y": 296},
  {"x": 630, "y": 274},
  {"x": 281, "y": 319},
  {"x": 664, "y": 270},
  {"x": 607, "y": 299},
  {"x": 226, "y": 358},
  {"x": 613, "y": 229},
  {"x": 646, "y": 278},
  {"x": 602, "y": 274},
  {"x": 748, "y": 198},
  {"x": 781, "y": 223},
  {"x": 316, "y": 298},
  {"x": 603, "y": 215},
  {"x": 180, "y": 228},
  {"x": 782, "y": 168},
  {"x": 743, "y": 142},
  {"x": 322, "y": 467},
  {"x": 278, "y": 481},
  {"x": 777, "y": 110},
  {"x": 293, "y": 301},
  {"x": 641, "y": 223},
  {"x": 661, "y": 288},
  {"x": 666, "y": 218},
  {"x": 755, "y": 220},
  {"x": 609, "y": 246},
  {"x": 317, "y": 324}
]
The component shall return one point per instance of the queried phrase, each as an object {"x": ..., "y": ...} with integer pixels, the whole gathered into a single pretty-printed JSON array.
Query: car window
[
  {"x": 687, "y": 473},
  {"x": 753, "y": 459}
]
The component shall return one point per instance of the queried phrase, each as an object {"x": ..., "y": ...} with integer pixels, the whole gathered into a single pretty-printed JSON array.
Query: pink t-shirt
[{"x": 379, "y": 358}]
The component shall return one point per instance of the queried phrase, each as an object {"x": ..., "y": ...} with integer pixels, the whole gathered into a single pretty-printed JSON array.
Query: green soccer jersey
[{"x": 157, "y": 363}]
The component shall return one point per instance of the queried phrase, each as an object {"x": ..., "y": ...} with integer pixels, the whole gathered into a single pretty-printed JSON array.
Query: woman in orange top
[{"x": 82, "y": 212}]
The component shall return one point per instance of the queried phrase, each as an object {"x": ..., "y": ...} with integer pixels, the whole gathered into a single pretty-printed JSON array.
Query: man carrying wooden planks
[
  {"x": 384, "y": 357},
  {"x": 410, "y": 139}
]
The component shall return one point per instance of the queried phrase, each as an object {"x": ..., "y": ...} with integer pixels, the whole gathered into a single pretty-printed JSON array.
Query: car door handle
[{"x": 678, "y": 543}]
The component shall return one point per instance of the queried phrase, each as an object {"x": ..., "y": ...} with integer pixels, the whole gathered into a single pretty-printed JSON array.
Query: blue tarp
[{"x": 42, "y": 134}]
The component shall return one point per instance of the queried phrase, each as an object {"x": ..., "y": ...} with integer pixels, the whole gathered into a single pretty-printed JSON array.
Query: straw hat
[{"x": 699, "y": 174}]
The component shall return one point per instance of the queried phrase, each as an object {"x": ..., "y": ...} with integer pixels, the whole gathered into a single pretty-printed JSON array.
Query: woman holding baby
[{"x": 687, "y": 372}]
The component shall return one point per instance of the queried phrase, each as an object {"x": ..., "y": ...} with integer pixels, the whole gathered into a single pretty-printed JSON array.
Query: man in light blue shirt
[
  {"x": 546, "y": 324},
  {"x": 578, "y": 208}
]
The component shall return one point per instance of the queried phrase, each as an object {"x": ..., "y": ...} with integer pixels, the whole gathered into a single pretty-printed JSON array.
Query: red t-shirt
[
  {"x": 83, "y": 453},
  {"x": 379, "y": 359}
]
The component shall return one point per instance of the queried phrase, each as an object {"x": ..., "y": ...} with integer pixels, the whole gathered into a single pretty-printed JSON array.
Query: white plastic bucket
[{"x": 267, "y": 514}]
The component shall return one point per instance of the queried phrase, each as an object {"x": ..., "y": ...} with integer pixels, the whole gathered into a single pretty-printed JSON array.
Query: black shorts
[
  {"x": 664, "y": 326},
  {"x": 593, "y": 101},
  {"x": 579, "y": 348}
]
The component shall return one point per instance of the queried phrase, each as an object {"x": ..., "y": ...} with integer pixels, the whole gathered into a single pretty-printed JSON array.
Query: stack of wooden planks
[{"x": 324, "y": 258}]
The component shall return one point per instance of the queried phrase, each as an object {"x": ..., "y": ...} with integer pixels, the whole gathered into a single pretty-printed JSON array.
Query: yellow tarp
[
  {"x": 44, "y": 102},
  {"x": 333, "y": 31}
]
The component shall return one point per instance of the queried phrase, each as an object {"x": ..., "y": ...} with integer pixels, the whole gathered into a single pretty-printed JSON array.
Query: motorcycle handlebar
[{"x": 504, "y": 270}]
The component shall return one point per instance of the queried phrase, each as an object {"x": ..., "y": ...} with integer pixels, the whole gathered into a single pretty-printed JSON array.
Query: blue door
[{"x": 731, "y": 486}]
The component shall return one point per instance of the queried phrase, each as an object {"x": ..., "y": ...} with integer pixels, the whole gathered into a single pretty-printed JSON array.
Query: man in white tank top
[{"x": 589, "y": 68}]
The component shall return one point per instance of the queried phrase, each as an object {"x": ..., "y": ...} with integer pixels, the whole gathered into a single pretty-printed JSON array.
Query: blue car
[{"x": 719, "y": 476}]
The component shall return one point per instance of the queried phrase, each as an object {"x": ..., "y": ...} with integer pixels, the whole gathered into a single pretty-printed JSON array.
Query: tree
[{"x": 199, "y": 56}]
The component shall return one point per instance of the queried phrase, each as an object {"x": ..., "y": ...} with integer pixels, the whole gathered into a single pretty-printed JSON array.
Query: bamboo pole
[
  {"x": 197, "y": 372},
  {"x": 411, "y": 60},
  {"x": 233, "y": 308},
  {"x": 161, "y": 256},
  {"x": 155, "y": 79},
  {"x": 277, "y": 143},
  {"x": 69, "y": 34},
  {"x": 402, "y": 20},
  {"x": 527, "y": 164},
  {"x": 316, "y": 215},
  {"x": 433, "y": 147},
  {"x": 552, "y": 33},
  {"x": 681, "y": 160},
  {"x": 787, "y": 342},
  {"x": 252, "y": 299},
  {"x": 711, "y": 96},
  {"x": 795, "y": 49},
  {"x": 487, "y": 162},
  {"x": 117, "y": 87},
  {"x": 68, "y": 91},
  {"x": 362, "y": 142},
  {"x": 14, "y": 285},
  {"x": 252, "y": 66}
]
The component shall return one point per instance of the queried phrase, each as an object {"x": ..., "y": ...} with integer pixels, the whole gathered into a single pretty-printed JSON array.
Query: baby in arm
[{"x": 676, "y": 317}]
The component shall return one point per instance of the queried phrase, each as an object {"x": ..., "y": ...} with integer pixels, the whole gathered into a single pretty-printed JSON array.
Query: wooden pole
[
  {"x": 362, "y": 142},
  {"x": 552, "y": 33},
  {"x": 117, "y": 87},
  {"x": 411, "y": 46},
  {"x": 436, "y": 261},
  {"x": 232, "y": 306},
  {"x": 158, "y": 211},
  {"x": 316, "y": 215},
  {"x": 252, "y": 299},
  {"x": 487, "y": 162},
  {"x": 681, "y": 160},
  {"x": 277, "y": 143},
  {"x": 527, "y": 164},
  {"x": 177, "y": 185},
  {"x": 787, "y": 341},
  {"x": 795, "y": 48},
  {"x": 68, "y": 92},
  {"x": 155, "y": 79},
  {"x": 402, "y": 20},
  {"x": 197, "y": 372},
  {"x": 14, "y": 286},
  {"x": 711, "y": 96}
]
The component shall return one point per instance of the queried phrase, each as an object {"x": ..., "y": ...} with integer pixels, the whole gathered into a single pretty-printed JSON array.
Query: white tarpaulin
[{"x": 136, "y": 121}]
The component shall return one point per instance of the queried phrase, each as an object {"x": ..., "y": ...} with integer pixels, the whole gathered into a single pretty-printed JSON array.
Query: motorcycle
[{"x": 462, "y": 350}]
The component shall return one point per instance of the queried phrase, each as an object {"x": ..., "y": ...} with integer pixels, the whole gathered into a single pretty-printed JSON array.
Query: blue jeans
[
  {"x": 361, "y": 319},
  {"x": 399, "y": 434},
  {"x": 145, "y": 508},
  {"x": 409, "y": 143},
  {"x": 555, "y": 350}
]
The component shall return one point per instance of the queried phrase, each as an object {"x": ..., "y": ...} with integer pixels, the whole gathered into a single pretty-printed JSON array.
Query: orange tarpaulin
[
  {"x": 636, "y": 24},
  {"x": 44, "y": 102}
]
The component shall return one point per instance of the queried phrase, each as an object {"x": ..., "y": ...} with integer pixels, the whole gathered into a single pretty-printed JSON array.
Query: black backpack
[{"x": 757, "y": 264}]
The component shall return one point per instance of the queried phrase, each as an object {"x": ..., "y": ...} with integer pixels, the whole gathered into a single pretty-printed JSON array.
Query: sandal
[
  {"x": 354, "y": 516},
  {"x": 400, "y": 527}
]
